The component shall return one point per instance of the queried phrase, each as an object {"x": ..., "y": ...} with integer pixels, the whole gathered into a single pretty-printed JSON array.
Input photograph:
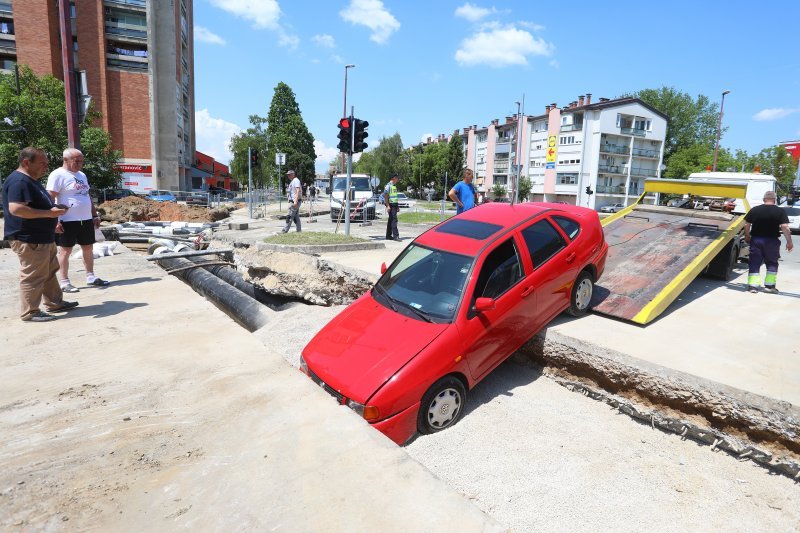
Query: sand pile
[{"x": 136, "y": 209}]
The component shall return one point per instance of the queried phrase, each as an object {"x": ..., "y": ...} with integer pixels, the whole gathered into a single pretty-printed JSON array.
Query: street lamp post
[
  {"x": 344, "y": 108},
  {"x": 719, "y": 131}
]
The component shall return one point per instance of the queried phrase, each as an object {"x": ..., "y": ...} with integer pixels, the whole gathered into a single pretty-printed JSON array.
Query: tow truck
[{"x": 655, "y": 252}]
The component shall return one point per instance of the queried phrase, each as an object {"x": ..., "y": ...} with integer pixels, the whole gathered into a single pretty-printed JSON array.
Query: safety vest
[{"x": 392, "y": 193}]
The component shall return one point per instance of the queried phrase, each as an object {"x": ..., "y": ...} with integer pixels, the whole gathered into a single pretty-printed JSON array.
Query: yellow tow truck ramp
[{"x": 654, "y": 252}]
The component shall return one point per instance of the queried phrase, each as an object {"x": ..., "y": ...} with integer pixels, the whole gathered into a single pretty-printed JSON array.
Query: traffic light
[
  {"x": 344, "y": 136},
  {"x": 589, "y": 190},
  {"x": 254, "y": 157},
  {"x": 360, "y": 134}
]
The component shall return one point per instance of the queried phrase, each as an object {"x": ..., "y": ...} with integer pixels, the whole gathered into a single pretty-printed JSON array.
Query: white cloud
[
  {"x": 213, "y": 135},
  {"x": 501, "y": 46},
  {"x": 325, "y": 154},
  {"x": 337, "y": 58},
  {"x": 472, "y": 12},
  {"x": 373, "y": 15},
  {"x": 324, "y": 40},
  {"x": 204, "y": 35},
  {"x": 531, "y": 25},
  {"x": 264, "y": 14},
  {"x": 774, "y": 113}
]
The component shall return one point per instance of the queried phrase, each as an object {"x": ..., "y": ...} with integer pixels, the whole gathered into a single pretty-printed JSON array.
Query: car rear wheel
[
  {"x": 581, "y": 296},
  {"x": 441, "y": 406}
]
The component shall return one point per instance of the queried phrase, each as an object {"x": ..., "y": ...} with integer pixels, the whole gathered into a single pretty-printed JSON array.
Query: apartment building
[
  {"x": 134, "y": 60},
  {"x": 609, "y": 146}
]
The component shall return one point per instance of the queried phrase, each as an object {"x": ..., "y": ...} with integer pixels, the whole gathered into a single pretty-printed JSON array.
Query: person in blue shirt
[{"x": 463, "y": 194}]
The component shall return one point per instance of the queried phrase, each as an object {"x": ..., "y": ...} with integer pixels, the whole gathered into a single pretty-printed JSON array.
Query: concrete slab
[{"x": 128, "y": 414}]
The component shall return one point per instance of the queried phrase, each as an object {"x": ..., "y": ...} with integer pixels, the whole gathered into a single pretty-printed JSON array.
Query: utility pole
[
  {"x": 73, "y": 133},
  {"x": 250, "y": 182}
]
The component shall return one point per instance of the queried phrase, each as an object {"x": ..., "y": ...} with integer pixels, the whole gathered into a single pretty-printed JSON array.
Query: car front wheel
[
  {"x": 441, "y": 406},
  {"x": 581, "y": 296}
]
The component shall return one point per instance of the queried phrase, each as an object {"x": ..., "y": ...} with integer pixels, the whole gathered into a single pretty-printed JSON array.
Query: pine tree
[{"x": 289, "y": 134}]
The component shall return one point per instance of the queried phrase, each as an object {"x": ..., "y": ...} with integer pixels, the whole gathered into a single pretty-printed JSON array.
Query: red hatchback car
[{"x": 458, "y": 301}]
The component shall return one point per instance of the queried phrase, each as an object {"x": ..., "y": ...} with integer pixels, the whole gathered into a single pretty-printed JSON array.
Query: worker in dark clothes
[{"x": 762, "y": 229}]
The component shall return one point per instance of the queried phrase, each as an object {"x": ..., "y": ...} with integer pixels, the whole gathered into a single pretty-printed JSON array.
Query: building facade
[
  {"x": 609, "y": 147},
  {"x": 134, "y": 60}
]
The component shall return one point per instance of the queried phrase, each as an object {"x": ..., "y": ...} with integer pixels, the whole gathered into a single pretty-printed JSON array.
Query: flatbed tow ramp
[{"x": 655, "y": 252}]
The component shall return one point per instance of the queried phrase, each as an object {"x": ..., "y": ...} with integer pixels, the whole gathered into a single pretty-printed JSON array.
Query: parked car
[
  {"x": 114, "y": 194},
  {"x": 612, "y": 208},
  {"x": 223, "y": 193},
  {"x": 404, "y": 201},
  {"x": 794, "y": 218},
  {"x": 197, "y": 198},
  {"x": 459, "y": 300},
  {"x": 161, "y": 196}
]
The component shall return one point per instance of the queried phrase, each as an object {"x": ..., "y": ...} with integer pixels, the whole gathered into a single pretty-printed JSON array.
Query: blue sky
[{"x": 432, "y": 67}]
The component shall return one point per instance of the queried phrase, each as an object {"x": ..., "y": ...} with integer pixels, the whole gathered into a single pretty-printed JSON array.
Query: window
[
  {"x": 567, "y": 139},
  {"x": 567, "y": 178},
  {"x": 543, "y": 242},
  {"x": 501, "y": 271},
  {"x": 570, "y": 227}
]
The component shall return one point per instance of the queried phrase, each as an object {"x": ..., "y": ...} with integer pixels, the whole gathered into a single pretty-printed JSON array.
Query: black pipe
[
  {"x": 233, "y": 277},
  {"x": 242, "y": 308}
]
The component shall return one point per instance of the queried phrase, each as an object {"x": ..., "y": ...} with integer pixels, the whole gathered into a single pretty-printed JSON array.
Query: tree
[
  {"x": 455, "y": 157},
  {"x": 499, "y": 191},
  {"x": 253, "y": 138},
  {"x": 38, "y": 118},
  {"x": 690, "y": 121},
  {"x": 289, "y": 134},
  {"x": 777, "y": 161},
  {"x": 525, "y": 187}
]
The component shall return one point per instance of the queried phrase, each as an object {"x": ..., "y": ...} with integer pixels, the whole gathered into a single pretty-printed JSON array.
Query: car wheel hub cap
[
  {"x": 444, "y": 408},
  {"x": 584, "y": 294}
]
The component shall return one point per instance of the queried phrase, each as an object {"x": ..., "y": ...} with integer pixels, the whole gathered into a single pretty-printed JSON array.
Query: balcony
[
  {"x": 611, "y": 189},
  {"x": 611, "y": 169},
  {"x": 125, "y": 32},
  {"x": 572, "y": 127},
  {"x": 614, "y": 149},
  {"x": 644, "y": 172},
  {"x": 5, "y": 7},
  {"x": 636, "y": 132},
  {"x": 650, "y": 154},
  {"x": 128, "y": 3},
  {"x": 501, "y": 167}
]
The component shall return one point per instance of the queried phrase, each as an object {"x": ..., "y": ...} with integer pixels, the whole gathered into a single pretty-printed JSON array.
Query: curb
[{"x": 319, "y": 248}]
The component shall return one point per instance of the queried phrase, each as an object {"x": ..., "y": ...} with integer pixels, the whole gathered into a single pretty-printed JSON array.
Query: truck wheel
[{"x": 581, "y": 296}]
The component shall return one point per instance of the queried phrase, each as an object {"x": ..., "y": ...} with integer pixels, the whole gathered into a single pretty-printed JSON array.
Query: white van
[
  {"x": 361, "y": 197},
  {"x": 757, "y": 185}
]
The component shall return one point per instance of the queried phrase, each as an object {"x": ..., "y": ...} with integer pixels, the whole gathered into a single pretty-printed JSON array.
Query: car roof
[{"x": 470, "y": 231}]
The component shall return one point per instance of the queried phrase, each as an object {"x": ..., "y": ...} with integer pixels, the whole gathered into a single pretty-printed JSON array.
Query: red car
[{"x": 458, "y": 301}]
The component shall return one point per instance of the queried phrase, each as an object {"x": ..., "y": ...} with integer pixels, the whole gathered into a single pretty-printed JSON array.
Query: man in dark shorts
[
  {"x": 69, "y": 186},
  {"x": 30, "y": 228},
  {"x": 762, "y": 229}
]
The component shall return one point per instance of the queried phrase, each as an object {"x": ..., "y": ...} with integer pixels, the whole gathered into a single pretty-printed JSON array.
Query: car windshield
[
  {"x": 425, "y": 282},
  {"x": 792, "y": 211},
  {"x": 359, "y": 184}
]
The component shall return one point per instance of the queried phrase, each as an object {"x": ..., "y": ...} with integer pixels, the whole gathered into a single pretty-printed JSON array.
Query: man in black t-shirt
[
  {"x": 30, "y": 227},
  {"x": 762, "y": 229}
]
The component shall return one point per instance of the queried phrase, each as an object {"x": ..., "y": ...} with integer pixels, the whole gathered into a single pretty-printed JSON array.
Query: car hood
[{"x": 365, "y": 345}]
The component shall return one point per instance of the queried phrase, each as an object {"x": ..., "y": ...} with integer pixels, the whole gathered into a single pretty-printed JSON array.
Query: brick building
[{"x": 135, "y": 60}]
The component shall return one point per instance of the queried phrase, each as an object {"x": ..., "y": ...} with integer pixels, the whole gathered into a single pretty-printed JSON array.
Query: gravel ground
[{"x": 536, "y": 456}]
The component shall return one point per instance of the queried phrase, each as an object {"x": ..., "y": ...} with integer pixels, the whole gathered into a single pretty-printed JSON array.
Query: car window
[
  {"x": 792, "y": 211},
  {"x": 543, "y": 242},
  {"x": 570, "y": 227},
  {"x": 501, "y": 271}
]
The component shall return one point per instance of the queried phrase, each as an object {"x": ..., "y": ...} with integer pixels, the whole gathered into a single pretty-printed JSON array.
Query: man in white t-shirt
[
  {"x": 69, "y": 186},
  {"x": 293, "y": 195}
]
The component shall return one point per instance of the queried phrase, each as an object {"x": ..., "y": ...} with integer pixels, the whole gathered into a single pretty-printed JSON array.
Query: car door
[
  {"x": 553, "y": 259},
  {"x": 489, "y": 336}
]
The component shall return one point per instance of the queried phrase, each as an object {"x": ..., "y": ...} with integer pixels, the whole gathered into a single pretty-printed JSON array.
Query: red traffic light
[{"x": 344, "y": 123}]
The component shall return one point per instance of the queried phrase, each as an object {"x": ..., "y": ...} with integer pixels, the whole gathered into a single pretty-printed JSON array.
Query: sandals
[
  {"x": 98, "y": 283},
  {"x": 69, "y": 288}
]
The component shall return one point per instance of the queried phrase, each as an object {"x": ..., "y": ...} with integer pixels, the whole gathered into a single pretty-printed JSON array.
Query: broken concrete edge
[
  {"x": 693, "y": 407},
  {"x": 319, "y": 248}
]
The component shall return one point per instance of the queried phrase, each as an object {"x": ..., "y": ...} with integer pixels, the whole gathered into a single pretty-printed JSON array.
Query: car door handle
[
  {"x": 527, "y": 292},
  {"x": 571, "y": 257}
]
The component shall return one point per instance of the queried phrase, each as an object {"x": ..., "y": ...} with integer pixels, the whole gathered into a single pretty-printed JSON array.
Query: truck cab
[
  {"x": 362, "y": 203},
  {"x": 757, "y": 185}
]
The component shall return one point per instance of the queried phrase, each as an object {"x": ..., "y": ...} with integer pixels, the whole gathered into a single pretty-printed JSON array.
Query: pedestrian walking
[
  {"x": 762, "y": 229},
  {"x": 294, "y": 192},
  {"x": 30, "y": 224},
  {"x": 68, "y": 185},
  {"x": 463, "y": 193},
  {"x": 390, "y": 201}
]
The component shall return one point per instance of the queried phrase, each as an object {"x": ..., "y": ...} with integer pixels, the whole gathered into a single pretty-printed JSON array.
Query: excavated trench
[{"x": 252, "y": 286}]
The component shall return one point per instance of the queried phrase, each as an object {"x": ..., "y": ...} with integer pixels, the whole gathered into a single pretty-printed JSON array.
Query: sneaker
[
  {"x": 65, "y": 306},
  {"x": 39, "y": 317},
  {"x": 772, "y": 289},
  {"x": 69, "y": 288},
  {"x": 752, "y": 288},
  {"x": 97, "y": 282}
]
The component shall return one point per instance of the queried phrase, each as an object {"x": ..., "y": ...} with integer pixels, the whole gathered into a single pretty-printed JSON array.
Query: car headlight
[
  {"x": 304, "y": 366},
  {"x": 367, "y": 412},
  {"x": 335, "y": 201},
  {"x": 370, "y": 203}
]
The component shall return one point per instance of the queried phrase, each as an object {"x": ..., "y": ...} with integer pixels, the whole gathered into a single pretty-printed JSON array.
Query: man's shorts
[{"x": 77, "y": 231}]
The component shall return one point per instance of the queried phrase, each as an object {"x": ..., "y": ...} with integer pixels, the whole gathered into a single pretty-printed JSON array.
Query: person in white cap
[{"x": 294, "y": 193}]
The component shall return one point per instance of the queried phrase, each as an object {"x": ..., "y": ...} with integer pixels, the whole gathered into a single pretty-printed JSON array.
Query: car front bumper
[{"x": 400, "y": 427}]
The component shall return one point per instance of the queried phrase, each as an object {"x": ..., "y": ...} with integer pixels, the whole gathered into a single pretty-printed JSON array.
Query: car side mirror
[
  {"x": 383, "y": 268},
  {"x": 484, "y": 304}
]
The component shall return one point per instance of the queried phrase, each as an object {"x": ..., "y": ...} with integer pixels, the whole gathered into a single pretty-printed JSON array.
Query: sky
[{"x": 425, "y": 68}]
